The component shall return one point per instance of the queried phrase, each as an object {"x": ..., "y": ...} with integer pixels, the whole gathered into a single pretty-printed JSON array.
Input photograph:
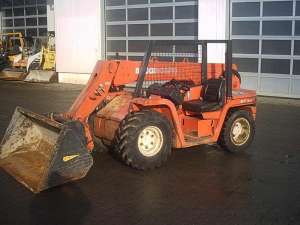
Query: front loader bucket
[
  {"x": 41, "y": 153},
  {"x": 42, "y": 76}
]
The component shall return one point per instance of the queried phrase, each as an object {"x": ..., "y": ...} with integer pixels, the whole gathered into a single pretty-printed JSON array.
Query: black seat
[{"x": 213, "y": 97}]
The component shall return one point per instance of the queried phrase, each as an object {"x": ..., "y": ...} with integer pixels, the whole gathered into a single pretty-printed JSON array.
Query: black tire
[
  {"x": 226, "y": 139},
  {"x": 126, "y": 145}
]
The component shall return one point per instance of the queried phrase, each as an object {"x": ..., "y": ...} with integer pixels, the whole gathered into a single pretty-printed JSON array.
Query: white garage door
[
  {"x": 266, "y": 45},
  {"x": 130, "y": 24}
]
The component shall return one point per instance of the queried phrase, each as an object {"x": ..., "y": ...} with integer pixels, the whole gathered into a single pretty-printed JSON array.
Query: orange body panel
[
  {"x": 208, "y": 127},
  {"x": 106, "y": 84},
  {"x": 108, "y": 119}
]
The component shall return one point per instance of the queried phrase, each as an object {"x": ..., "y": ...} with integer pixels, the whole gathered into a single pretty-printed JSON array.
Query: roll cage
[{"x": 170, "y": 51}]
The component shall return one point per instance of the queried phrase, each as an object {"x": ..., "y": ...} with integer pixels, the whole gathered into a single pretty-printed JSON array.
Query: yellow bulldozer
[
  {"x": 41, "y": 66},
  {"x": 13, "y": 57}
]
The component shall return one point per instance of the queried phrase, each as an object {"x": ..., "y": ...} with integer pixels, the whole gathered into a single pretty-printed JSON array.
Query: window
[
  {"x": 31, "y": 22},
  {"x": 7, "y": 12},
  {"x": 138, "y": 30},
  {"x": 135, "y": 2},
  {"x": 116, "y": 30},
  {"x": 116, "y": 46},
  {"x": 297, "y": 8},
  {"x": 186, "y": 12},
  {"x": 160, "y": 1},
  {"x": 297, "y": 27},
  {"x": 18, "y": 11},
  {"x": 246, "y": 64},
  {"x": 278, "y": 8},
  {"x": 115, "y": 2},
  {"x": 18, "y": 2},
  {"x": 30, "y": 2},
  {"x": 20, "y": 16},
  {"x": 296, "y": 68},
  {"x": 42, "y": 21},
  {"x": 44, "y": 2},
  {"x": 241, "y": 46},
  {"x": 43, "y": 32},
  {"x": 163, "y": 29},
  {"x": 297, "y": 48},
  {"x": 42, "y": 10},
  {"x": 277, "y": 28},
  {"x": 31, "y": 32},
  {"x": 137, "y": 46},
  {"x": 186, "y": 29},
  {"x": 161, "y": 13},
  {"x": 7, "y": 3},
  {"x": 245, "y": 9},
  {"x": 116, "y": 15},
  {"x": 276, "y": 47},
  {"x": 277, "y": 66},
  {"x": 30, "y": 11},
  {"x": 245, "y": 28},
  {"x": 8, "y": 23},
  {"x": 19, "y": 22},
  {"x": 138, "y": 14}
]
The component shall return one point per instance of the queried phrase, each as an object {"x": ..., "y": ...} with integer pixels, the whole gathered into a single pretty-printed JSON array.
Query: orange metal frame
[{"x": 113, "y": 75}]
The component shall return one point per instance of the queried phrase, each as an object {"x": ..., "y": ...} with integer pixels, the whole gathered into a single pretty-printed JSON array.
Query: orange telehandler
[{"x": 141, "y": 110}]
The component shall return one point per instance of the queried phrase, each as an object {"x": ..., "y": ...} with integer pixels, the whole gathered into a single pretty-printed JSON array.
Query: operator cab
[
  {"x": 196, "y": 87},
  {"x": 211, "y": 99}
]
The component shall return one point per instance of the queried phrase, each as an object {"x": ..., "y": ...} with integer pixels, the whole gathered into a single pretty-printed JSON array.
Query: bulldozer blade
[
  {"x": 41, "y": 153},
  {"x": 12, "y": 74},
  {"x": 42, "y": 76}
]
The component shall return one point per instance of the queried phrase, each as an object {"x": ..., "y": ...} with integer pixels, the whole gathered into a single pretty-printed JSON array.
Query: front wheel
[
  {"x": 144, "y": 140},
  {"x": 238, "y": 131}
]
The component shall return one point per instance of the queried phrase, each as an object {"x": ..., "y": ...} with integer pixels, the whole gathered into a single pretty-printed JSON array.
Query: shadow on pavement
[{"x": 63, "y": 205}]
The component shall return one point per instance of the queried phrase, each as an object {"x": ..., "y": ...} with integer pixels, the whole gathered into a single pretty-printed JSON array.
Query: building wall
[
  {"x": 266, "y": 45},
  {"x": 50, "y": 15},
  {"x": 78, "y": 38},
  {"x": 213, "y": 25},
  {"x": 131, "y": 23},
  {"x": 26, "y": 16},
  {"x": 265, "y": 33}
]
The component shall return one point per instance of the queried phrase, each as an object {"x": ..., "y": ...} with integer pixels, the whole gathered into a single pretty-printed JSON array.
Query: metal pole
[
  {"x": 143, "y": 70},
  {"x": 204, "y": 62},
  {"x": 229, "y": 69}
]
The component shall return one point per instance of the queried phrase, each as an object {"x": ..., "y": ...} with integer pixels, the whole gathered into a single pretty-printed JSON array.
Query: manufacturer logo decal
[
  {"x": 69, "y": 157},
  {"x": 249, "y": 100},
  {"x": 153, "y": 70}
]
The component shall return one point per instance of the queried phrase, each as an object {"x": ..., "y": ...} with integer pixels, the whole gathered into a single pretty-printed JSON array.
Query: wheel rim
[
  {"x": 150, "y": 141},
  {"x": 240, "y": 131}
]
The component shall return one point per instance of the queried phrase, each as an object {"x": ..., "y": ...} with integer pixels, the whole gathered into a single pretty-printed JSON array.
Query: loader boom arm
[{"x": 105, "y": 75}]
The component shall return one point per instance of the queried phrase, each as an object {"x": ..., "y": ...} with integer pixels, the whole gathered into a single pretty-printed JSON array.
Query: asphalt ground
[{"x": 201, "y": 185}]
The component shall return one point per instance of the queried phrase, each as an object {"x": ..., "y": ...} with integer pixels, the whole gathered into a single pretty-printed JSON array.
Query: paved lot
[{"x": 203, "y": 185}]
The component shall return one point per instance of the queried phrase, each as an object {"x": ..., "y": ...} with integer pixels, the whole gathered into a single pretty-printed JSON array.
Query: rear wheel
[
  {"x": 238, "y": 131},
  {"x": 144, "y": 140}
]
